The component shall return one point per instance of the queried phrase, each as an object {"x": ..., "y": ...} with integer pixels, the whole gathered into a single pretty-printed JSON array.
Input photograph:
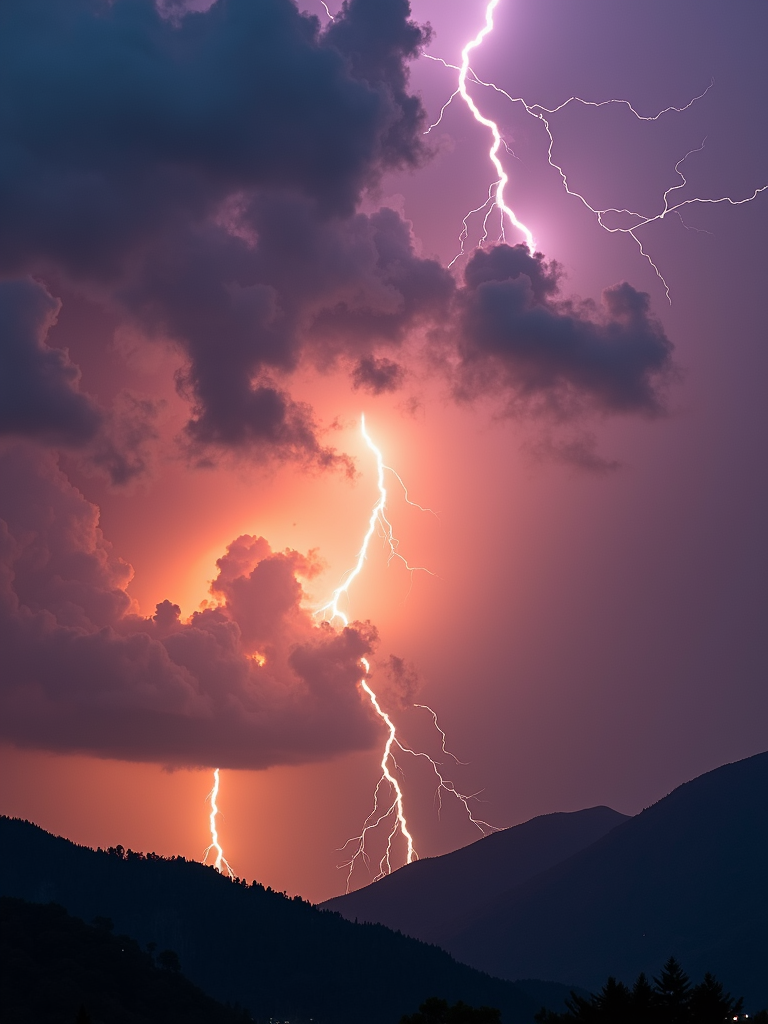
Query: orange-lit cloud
[{"x": 249, "y": 682}]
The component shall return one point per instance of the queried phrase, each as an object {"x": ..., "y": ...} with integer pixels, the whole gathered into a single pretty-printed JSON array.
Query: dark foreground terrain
[
  {"x": 56, "y": 968},
  {"x": 687, "y": 877},
  {"x": 279, "y": 958}
]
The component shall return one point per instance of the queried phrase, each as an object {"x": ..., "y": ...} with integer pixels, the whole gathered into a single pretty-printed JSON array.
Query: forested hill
[
  {"x": 59, "y": 970},
  {"x": 278, "y": 957}
]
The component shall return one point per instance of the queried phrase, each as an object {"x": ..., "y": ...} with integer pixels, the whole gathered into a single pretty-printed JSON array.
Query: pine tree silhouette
[
  {"x": 711, "y": 1004},
  {"x": 672, "y": 991},
  {"x": 643, "y": 1000},
  {"x": 670, "y": 1000}
]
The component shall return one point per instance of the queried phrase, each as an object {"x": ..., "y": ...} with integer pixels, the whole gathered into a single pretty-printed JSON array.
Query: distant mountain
[
  {"x": 688, "y": 877},
  {"x": 56, "y": 967},
  {"x": 278, "y": 957},
  {"x": 426, "y": 897}
]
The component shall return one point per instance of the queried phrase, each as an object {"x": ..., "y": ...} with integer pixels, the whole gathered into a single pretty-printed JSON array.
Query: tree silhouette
[
  {"x": 710, "y": 1004},
  {"x": 673, "y": 990},
  {"x": 643, "y": 998},
  {"x": 670, "y": 1000}
]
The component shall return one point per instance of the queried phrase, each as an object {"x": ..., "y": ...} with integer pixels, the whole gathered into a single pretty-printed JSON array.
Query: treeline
[
  {"x": 121, "y": 853},
  {"x": 669, "y": 999}
]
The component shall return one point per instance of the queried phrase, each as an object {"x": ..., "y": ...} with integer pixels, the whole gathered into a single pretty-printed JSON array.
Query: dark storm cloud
[
  {"x": 377, "y": 375},
  {"x": 518, "y": 337},
  {"x": 250, "y": 682},
  {"x": 39, "y": 394},
  {"x": 176, "y": 167},
  {"x": 201, "y": 174}
]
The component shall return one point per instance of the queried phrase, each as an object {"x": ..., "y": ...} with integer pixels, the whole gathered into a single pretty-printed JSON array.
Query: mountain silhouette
[
  {"x": 424, "y": 898},
  {"x": 278, "y": 957},
  {"x": 59, "y": 970},
  {"x": 686, "y": 877}
]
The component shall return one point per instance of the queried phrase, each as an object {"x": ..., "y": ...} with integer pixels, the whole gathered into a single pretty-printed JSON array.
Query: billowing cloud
[
  {"x": 520, "y": 338},
  {"x": 249, "y": 682},
  {"x": 201, "y": 174},
  {"x": 39, "y": 395}
]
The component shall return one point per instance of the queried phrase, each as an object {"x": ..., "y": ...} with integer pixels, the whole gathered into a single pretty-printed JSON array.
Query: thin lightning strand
[
  {"x": 220, "y": 863},
  {"x": 542, "y": 114},
  {"x": 392, "y": 811},
  {"x": 436, "y": 724}
]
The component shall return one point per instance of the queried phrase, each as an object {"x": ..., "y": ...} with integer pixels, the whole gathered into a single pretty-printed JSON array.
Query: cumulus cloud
[
  {"x": 520, "y": 338},
  {"x": 247, "y": 682},
  {"x": 201, "y": 172}
]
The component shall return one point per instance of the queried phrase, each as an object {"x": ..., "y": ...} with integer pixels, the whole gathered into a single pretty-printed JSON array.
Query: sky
[{"x": 229, "y": 232}]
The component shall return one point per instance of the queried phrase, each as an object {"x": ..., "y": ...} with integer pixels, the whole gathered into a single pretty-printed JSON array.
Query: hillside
[
  {"x": 276, "y": 956},
  {"x": 425, "y": 897},
  {"x": 55, "y": 967},
  {"x": 686, "y": 877}
]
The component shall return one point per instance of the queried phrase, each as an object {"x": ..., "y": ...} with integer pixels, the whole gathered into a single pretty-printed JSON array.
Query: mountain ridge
[
  {"x": 685, "y": 877},
  {"x": 277, "y": 956},
  {"x": 424, "y": 897}
]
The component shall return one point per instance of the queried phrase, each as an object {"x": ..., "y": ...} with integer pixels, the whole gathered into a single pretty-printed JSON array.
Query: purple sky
[{"x": 595, "y": 631}]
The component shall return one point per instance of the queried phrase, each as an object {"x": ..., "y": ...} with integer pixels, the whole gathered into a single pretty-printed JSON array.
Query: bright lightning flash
[
  {"x": 392, "y": 809},
  {"x": 378, "y": 518},
  {"x": 497, "y": 140},
  {"x": 220, "y": 863},
  {"x": 606, "y": 217}
]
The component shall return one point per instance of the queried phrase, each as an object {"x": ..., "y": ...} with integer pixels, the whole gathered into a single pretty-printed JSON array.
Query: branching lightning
[
  {"x": 220, "y": 862},
  {"x": 669, "y": 204},
  {"x": 388, "y": 802},
  {"x": 493, "y": 153}
]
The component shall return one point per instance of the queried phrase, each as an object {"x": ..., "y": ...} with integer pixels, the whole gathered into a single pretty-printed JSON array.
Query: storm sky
[{"x": 227, "y": 232}]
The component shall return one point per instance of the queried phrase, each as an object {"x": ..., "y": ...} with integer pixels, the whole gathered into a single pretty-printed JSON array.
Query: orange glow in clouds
[{"x": 393, "y": 809}]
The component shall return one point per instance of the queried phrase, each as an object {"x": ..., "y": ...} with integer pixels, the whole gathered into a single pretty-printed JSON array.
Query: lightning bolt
[
  {"x": 669, "y": 203},
  {"x": 389, "y": 811},
  {"x": 220, "y": 863},
  {"x": 493, "y": 153},
  {"x": 378, "y": 518}
]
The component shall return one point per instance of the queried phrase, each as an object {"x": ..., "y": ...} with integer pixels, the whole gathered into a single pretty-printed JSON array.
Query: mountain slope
[
  {"x": 423, "y": 898},
  {"x": 687, "y": 877},
  {"x": 54, "y": 964},
  {"x": 276, "y": 956}
]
